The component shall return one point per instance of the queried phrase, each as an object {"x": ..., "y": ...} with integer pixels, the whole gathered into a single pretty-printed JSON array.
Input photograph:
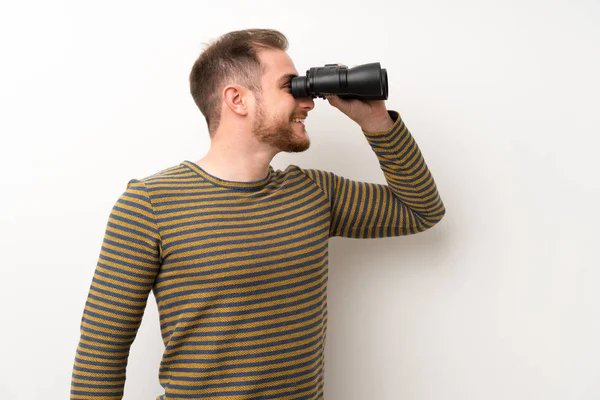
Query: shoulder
[{"x": 172, "y": 173}]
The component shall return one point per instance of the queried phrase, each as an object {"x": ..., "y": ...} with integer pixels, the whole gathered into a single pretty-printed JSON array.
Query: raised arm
[{"x": 408, "y": 204}]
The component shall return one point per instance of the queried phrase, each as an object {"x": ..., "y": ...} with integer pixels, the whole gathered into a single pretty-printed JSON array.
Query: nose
[{"x": 306, "y": 103}]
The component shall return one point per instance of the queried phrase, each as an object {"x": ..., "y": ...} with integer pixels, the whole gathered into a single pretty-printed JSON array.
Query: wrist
[{"x": 381, "y": 124}]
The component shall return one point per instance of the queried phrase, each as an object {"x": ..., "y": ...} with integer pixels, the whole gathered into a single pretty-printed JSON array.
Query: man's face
[{"x": 277, "y": 111}]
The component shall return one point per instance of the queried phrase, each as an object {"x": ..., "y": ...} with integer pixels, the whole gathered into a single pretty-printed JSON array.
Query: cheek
[
  {"x": 285, "y": 107},
  {"x": 290, "y": 103}
]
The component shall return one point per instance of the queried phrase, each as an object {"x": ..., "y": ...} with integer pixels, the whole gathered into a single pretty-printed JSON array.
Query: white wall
[{"x": 498, "y": 301}]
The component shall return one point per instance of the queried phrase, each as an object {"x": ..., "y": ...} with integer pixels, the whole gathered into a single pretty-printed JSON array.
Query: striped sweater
[{"x": 239, "y": 272}]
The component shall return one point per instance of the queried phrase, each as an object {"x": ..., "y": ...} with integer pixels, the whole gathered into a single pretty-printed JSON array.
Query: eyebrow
[{"x": 287, "y": 77}]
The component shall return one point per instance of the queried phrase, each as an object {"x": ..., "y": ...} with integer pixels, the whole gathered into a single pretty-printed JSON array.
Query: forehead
[{"x": 277, "y": 65}]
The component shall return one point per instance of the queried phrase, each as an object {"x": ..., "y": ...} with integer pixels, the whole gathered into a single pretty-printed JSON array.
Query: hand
[{"x": 371, "y": 115}]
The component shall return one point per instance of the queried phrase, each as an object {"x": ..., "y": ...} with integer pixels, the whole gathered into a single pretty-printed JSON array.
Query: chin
[{"x": 297, "y": 146}]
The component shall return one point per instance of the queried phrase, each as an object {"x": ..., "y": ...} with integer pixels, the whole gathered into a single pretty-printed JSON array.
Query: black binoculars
[{"x": 364, "y": 82}]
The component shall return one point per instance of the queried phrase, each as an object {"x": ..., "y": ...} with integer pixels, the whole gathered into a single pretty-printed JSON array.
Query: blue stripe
[
  {"x": 133, "y": 245},
  {"x": 226, "y": 261},
  {"x": 123, "y": 228},
  {"x": 95, "y": 371},
  {"x": 171, "y": 350},
  {"x": 203, "y": 315},
  {"x": 106, "y": 349},
  {"x": 139, "y": 313},
  {"x": 255, "y": 373},
  {"x": 107, "y": 379},
  {"x": 96, "y": 393},
  {"x": 196, "y": 303},
  {"x": 81, "y": 353},
  {"x": 111, "y": 319},
  {"x": 101, "y": 364},
  {"x": 264, "y": 243},
  {"x": 122, "y": 338},
  {"x": 231, "y": 366},
  {"x": 119, "y": 288},
  {"x": 254, "y": 391},
  {"x": 115, "y": 322},
  {"x": 283, "y": 332},
  {"x": 256, "y": 291},
  {"x": 227, "y": 196},
  {"x": 110, "y": 294},
  {"x": 295, "y": 182},
  {"x": 179, "y": 356},
  {"x": 312, "y": 371},
  {"x": 192, "y": 219},
  {"x": 229, "y": 324},
  {"x": 242, "y": 269},
  {"x": 237, "y": 357},
  {"x": 181, "y": 335},
  {"x": 315, "y": 221},
  {"x": 147, "y": 281}
]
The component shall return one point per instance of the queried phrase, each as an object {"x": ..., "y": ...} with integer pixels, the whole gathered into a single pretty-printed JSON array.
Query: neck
[{"x": 238, "y": 160}]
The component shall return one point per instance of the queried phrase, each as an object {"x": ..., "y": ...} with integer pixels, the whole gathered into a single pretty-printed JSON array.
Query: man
[{"x": 236, "y": 252}]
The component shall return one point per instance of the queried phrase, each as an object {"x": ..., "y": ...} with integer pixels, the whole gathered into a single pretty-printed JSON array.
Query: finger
[{"x": 331, "y": 99}]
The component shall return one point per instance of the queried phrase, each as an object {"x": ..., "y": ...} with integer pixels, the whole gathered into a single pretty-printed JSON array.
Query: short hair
[{"x": 231, "y": 58}]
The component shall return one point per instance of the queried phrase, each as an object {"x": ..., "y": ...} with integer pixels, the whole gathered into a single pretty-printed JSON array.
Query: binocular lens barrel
[{"x": 366, "y": 82}]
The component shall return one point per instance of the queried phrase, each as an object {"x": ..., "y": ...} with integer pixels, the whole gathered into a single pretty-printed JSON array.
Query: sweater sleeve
[
  {"x": 127, "y": 266},
  {"x": 408, "y": 204}
]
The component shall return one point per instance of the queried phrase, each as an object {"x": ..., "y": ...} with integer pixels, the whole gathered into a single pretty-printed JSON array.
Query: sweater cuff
[{"x": 395, "y": 115}]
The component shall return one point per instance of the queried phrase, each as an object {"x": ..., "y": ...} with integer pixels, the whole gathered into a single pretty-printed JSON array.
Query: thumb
[{"x": 333, "y": 99}]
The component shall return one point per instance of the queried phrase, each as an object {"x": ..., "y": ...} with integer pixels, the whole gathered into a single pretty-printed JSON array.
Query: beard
[{"x": 279, "y": 134}]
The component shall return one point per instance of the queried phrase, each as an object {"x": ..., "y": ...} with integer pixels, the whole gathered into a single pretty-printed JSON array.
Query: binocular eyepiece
[{"x": 365, "y": 82}]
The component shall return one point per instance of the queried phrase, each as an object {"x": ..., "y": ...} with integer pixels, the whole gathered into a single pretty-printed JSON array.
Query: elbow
[{"x": 430, "y": 219}]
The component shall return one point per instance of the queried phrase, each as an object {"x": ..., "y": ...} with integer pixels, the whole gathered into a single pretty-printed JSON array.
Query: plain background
[{"x": 498, "y": 301}]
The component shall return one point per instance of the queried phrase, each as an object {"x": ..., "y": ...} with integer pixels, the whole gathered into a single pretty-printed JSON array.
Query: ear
[{"x": 237, "y": 99}]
